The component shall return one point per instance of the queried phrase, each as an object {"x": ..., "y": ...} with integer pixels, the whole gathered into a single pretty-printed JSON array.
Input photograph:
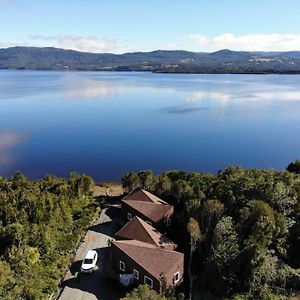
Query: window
[
  {"x": 149, "y": 223},
  {"x": 129, "y": 216},
  {"x": 136, "y": 274},
  {"x": 148, "y": 281},
  {"x": 122, "y": 266},
  {"x": 176, "y": 277}
]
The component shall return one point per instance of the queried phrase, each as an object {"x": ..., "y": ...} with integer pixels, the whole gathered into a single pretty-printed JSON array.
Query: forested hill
[{"x": 223, "y": 61}]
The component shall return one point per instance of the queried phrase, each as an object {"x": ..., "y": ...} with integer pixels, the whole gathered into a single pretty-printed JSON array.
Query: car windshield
[{"x": 88, "y": 261}]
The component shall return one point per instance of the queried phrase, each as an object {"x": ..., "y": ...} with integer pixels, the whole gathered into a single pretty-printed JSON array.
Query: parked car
[{"x": 89, "y": 263}]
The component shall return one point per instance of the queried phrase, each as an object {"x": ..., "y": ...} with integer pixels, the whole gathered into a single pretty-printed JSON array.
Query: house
[
  {"x": 149, "y": 264},
  {"x": 137, "y": 229},
  {"x": 148, "y": 207}
]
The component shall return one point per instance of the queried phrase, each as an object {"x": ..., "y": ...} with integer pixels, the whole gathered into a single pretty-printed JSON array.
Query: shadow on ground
[
  {"x": 97, "y": 285},
  {"x": 113, "y": 212},
  {"x": 111, "y": 225},
  {"x": 106, "y": 228}
]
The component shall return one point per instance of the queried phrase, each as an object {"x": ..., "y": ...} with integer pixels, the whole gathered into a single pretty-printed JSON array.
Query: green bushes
[{"x": 41, "y": 222}]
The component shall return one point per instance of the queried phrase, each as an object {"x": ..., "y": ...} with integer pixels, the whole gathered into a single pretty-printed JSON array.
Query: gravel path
[{"x": 96, "y": 285}]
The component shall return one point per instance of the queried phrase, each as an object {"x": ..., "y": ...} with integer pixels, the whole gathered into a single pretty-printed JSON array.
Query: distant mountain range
[{"x": 223, "y": 61}]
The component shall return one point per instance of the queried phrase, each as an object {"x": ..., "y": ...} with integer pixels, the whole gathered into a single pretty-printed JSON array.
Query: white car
[{"x": 89, "y": 263}]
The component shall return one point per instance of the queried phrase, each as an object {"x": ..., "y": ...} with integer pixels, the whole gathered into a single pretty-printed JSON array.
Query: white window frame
[
  {"x": 148, "y": 278},
  {"x": 129, "y": 216},
  {"x": 136, "y": 274},
  {"x": 175, "y": 275},
  {"x": 122, "y": 265}
]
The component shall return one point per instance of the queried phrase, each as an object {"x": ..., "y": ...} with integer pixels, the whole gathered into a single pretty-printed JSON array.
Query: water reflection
[
  {"x": 149, "y": 121},
  {"x": 8, "y": 141},
  {"x": 77, "y": 87}
]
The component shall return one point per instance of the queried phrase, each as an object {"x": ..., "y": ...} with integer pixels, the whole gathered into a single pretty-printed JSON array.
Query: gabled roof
[
  {"x": 153, "y": 211},
  {"x": 147, "y": 204},
  {"x": 155, "y": 260},
  {"x": 142, "y": 195},
  {"x": 137, "y": 229}
]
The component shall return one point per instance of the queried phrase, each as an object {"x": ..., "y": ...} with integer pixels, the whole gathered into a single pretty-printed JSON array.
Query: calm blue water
[{"x": 105, "y": 124}]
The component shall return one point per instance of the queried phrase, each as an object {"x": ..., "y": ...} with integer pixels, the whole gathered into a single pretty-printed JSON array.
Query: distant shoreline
[
  {"x": 159, "y": 61},
  {"x": 158, "y": 72}
]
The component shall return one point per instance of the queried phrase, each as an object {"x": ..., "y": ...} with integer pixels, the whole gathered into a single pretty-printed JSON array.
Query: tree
[
  {"x": 224, "y": 258},
  {"x": 130, "y": 182},
  {"x": 294, "y": 167},
  {"x": 195, "y": 237},
  {"x": 6, "y": 279},
  {"x": 40, "y": 224},
  {"x": 144, "y": 292}
]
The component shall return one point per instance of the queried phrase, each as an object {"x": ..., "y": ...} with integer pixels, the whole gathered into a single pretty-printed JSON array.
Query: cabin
[
  {"x": 148, "y": 207},
  {"x": 137, "y": 229},
  {"x": 157, "y": 267}
]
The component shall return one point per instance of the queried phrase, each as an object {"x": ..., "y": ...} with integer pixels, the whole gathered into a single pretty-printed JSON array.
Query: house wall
[
  {"x": 116, "y": 255},
  {"x": 170, "y": 274}
]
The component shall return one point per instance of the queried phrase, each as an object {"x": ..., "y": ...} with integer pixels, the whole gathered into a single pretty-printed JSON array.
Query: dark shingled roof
[
  {"x": 148, "y": 204},
  {"x": 137, "y": 229},
  {"x": 151, "y": 258},
  {"x": 142, "y": 195}
]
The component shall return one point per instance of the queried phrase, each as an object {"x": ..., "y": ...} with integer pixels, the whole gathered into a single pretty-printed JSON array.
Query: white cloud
[
  {"x": 79, "y": 43},
  {"x": 5, "y": 44},
  {"x": 249, "y": 42}
]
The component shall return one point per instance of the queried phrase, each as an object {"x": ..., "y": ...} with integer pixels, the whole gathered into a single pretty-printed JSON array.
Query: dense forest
[
  {"x": 239, "y": 230},
  {"x": 41, "y": 223}
]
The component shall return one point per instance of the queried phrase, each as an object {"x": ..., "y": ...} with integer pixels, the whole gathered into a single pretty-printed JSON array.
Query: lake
[{"x": 105, "y": 124}]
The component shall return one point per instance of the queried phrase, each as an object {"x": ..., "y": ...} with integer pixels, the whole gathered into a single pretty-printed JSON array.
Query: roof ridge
[
  {"x": 138, "y": 244},
  {"x": 145, "y": 245},
  {"x": 145, "y": 225},
  {"x": 160, "y": 201},
  {"x": 164, "y": 204},
  {"x": 126, "y": 225},
  {"x": 150, "y": 196}
]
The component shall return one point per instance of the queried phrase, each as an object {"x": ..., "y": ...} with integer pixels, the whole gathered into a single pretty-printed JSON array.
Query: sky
[{"x": 119, "y": 26}]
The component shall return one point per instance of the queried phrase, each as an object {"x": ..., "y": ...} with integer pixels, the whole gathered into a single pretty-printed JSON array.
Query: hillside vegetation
[
  {"x": 243, "y": 227},
  {"x": 41, "y": 223},
  {"x": 224, "y": 61}
]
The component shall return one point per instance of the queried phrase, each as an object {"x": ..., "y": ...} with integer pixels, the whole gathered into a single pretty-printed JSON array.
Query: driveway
[{"x": 96, "y": 285}]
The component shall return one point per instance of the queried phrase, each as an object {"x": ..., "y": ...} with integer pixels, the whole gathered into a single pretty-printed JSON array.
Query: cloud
[
  {"x": 5, "y": 44},
  {"x": 249, "y": 42},
  {"x": 78, "y": 42}
]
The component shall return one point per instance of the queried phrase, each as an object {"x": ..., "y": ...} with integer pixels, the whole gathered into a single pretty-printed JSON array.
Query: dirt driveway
[{"x": 96, "y": 285}]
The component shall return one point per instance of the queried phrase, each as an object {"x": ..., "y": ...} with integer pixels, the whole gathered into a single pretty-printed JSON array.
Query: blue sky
[{"x": 132, "y": 25}]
